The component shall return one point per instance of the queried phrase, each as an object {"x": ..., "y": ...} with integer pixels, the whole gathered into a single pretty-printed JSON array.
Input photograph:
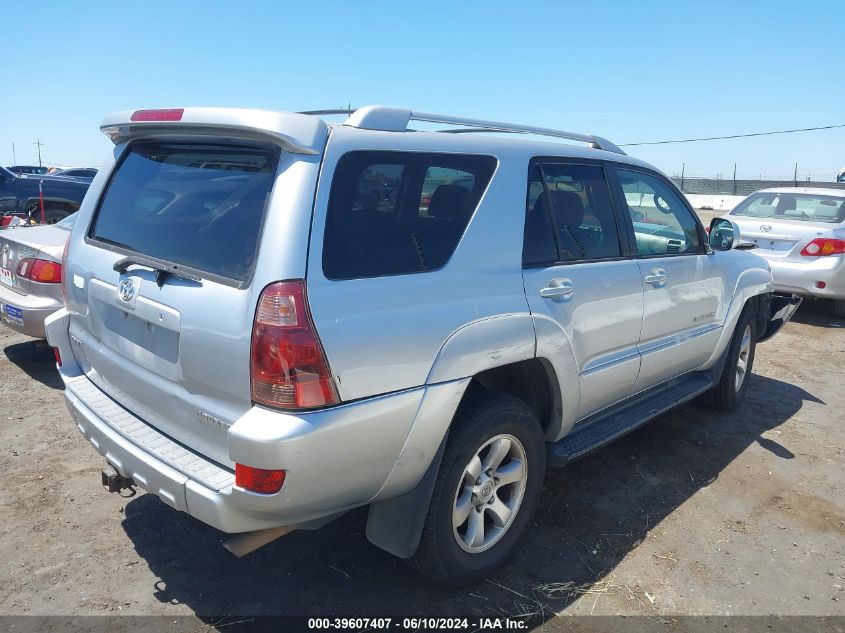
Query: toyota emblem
[
  {"x": 765, "y": 228},
  {"x": 126, "y": 290}
]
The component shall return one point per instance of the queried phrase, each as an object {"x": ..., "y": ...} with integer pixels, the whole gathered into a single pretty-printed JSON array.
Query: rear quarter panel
[{"x": 383, "y": 334}]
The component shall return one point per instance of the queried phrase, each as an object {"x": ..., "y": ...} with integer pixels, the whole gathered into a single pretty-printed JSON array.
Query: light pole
[{"x": 39, "y": 144}]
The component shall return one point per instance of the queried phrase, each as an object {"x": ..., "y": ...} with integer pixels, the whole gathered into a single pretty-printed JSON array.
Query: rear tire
[
  {"x": 728, "y": 393},
  {"x": 51, "y": 216},
  {"x": 839, "y": 308},
  {"x": 475, "y": 517}
]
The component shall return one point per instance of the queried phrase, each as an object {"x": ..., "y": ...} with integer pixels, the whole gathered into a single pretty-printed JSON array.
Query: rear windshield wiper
[{"x": 162, "y": 270}]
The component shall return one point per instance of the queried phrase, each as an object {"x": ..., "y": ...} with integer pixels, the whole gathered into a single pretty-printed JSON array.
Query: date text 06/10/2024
[{"x": 418, "y": 624}]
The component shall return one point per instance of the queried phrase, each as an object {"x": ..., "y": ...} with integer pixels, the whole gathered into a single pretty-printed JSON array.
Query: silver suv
[{"x": 271, "y": 320}]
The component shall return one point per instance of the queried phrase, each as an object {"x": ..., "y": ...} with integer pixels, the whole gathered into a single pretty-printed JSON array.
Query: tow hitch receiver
[{"x": 113, "y": 481}]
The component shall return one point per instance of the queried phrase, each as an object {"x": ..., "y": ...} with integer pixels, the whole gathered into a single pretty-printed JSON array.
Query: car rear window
[
  {"x": 792, "y": 206},
  {"x": 393, "y": 213},
  {"x": 199, "y": 206}
]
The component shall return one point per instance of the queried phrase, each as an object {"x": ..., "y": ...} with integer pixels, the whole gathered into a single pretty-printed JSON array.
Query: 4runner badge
[{"x": 210, "y": 419}]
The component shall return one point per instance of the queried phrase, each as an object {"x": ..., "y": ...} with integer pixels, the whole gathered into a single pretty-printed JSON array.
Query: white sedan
[
  {"x": 801, "y": 232},
  {"x": 31, "y": 274}
]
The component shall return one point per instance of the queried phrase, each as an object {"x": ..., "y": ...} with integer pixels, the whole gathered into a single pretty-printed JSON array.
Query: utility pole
[
  {"x": 39, "y": 144},
  {"x": 795, "y": 176},
  {"x": 734, "y": 185},
  {"x": 683, "y": 168},
  {"x": 14, "y": 158}
]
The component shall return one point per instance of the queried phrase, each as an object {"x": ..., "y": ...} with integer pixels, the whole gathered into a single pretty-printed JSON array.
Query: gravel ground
[{"x": 696, "y": 513}]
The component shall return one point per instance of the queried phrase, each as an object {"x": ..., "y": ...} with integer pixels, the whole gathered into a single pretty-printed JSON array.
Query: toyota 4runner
[{"x": 271, "y": 320}]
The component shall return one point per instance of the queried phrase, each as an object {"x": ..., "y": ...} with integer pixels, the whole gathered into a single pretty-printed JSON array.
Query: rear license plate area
[{"x": 11, "y": 313}]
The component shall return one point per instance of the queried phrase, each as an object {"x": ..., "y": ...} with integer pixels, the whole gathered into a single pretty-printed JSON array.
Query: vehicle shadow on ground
[
  {"x": 35, "y": 358},
  {"x": 818, "y": 313},
  {"x": 592, "y": 514}
]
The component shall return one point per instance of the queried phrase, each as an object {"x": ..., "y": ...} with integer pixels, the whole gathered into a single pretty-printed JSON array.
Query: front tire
[
  {"x": 487, "y": 489},
  {"x": 728, "y": 393}
]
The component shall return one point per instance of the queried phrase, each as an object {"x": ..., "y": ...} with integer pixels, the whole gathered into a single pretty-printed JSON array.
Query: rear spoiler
[{"x": 298, "y": 133}]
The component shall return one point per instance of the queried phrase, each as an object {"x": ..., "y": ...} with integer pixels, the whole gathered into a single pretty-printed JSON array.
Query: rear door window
[
  {"x": 393, "y": 213},
  {"x": 199, "y": 206}
]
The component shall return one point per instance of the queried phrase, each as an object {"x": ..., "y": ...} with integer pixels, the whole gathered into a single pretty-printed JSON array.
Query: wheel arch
[
  {"x": 753, "y": 286},
  {"x": 533, "y": 381},
  {"x": 397, "y": 514}
]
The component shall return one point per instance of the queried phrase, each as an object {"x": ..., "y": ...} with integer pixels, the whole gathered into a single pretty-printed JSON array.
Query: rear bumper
[
  {"x": 801, "y": 278},
  {"x": 187, "y": 481},
  {"x": 335, "y": 459},
  {"x": 26, "y": 313}
]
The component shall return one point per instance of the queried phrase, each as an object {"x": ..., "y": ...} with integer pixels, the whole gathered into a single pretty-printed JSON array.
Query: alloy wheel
[
  {"x": 489, "y": 493},
  {"x": 742, "y": 360}
]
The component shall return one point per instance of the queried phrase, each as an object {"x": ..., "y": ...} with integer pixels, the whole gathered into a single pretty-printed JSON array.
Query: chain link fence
[{"x": 743, "y": 187}]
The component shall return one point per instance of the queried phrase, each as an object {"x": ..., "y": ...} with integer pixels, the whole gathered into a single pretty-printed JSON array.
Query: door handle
[
  {"x": 657, "y": 276},
  {"x": 557, "y": 289}
]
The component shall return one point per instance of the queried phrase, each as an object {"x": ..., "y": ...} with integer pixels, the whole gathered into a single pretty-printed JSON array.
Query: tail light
[
  {"x": 823, "y": 246},
  {"x": 288, "y": 368},
  {"x": 40, "y": 270},
  {"x": 258, "y": 479}
]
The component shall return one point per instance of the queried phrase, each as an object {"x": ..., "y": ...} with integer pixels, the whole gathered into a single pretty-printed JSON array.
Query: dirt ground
[{"x": 696, "y": 513}]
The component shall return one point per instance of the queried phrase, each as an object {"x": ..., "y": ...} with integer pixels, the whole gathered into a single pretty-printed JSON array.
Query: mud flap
[
  {"x": 781, "y": 310},
  {"x": 396, "y": 525}
]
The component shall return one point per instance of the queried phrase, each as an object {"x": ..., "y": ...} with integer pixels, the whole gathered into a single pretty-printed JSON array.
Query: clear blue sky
[{"x": 629, "y": 71}]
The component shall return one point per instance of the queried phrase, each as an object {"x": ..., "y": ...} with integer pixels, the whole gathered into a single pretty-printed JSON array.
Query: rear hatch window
[
  {"x": 804, "y": 207},
  {"x": 200, "y": 206}
]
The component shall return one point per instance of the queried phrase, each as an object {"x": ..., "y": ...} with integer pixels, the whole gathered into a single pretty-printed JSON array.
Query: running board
[{"x": 604, "y": 427}]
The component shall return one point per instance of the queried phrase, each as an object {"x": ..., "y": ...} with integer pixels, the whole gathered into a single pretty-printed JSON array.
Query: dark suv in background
[{"x": 21, "y": 196}]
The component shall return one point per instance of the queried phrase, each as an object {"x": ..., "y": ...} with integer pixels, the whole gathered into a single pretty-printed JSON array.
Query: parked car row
[
  {"x": 39, "y": 170},
  {"x": 270, "y": 320},
  {"x": 35, "y": 170}
]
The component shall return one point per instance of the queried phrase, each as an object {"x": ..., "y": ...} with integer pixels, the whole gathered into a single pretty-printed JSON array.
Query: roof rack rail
[
  {"x": 327, "y": 112},
  {"x": 390, "y": 119}
]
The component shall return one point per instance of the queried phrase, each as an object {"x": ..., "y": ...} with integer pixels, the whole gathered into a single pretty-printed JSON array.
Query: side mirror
[{"x": 724, "y": 234}]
